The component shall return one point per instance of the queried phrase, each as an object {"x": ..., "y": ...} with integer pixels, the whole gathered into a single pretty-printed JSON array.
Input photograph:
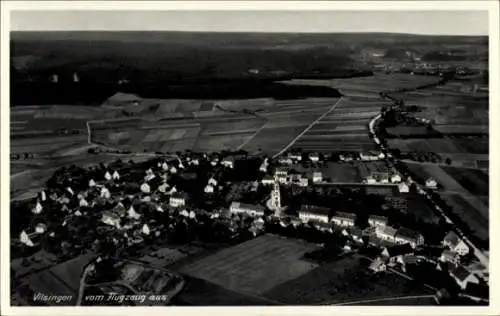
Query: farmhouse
[
  {"x": 267, "y": 180},
  {"x": 405, "y": 235},
  {"x": 450, "y": 256},
  {"x": 295, "y": 156},
  {"x": 386, "y": 233},
  {"x": 377, "y": 265},
  {"x": 314, "y": 157},
  {"x": 177, "y": 200},
  {"x": 403, "y": 188},
  {"x": 110, "y": 218},
  {"x": 228, "y": 162},
  {"x": 377, "y": 221},
  {"x": 315, "y": 213},
  {"x": 455, "y": 244},
  {"x": 431, "y": 183},
  {"x": 249, "y": 209},
  {"x": 317, "y": 177},
  {"x": 344, "y": 219},
  {"x": 463, "y": 276},
  {"x": 396, "y": 178},
  {"x": 209, "y": 188}
]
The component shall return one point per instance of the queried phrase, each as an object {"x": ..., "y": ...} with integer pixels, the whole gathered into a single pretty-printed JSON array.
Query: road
[
  {"x": 308, "y": 128},
  {"x": 423, "y": 191}
]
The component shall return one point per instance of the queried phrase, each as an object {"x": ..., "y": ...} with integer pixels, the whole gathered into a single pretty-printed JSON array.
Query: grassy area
[
  {"x": 345, "y": 280},
  {"x": 254, "y": 266},
  {"x": 475, "y": 181}
]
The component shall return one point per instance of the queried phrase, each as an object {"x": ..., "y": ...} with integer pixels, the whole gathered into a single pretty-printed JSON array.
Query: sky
[{"x": 415, "y": 22}]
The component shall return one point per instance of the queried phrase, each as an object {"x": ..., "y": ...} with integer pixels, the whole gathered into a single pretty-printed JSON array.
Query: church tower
[{"x": 276, "y": 195}]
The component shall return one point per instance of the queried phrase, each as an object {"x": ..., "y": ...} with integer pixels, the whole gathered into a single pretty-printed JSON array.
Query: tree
[{"x": 448, "y": 161}]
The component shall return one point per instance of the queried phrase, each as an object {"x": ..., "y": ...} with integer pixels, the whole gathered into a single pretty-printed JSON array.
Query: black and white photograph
[{"x": 240, "y": 157}]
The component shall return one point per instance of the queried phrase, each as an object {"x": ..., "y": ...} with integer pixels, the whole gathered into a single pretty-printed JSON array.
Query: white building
[
  {"x": 285, "y": 161},
  {"x": 386, "y": 233},
  {"x": 317, "y": 177},
  {"x": 403, "y": 187},
  {"x": 38, "y": 208},
  {"x": 209, "y": 188},
  {"x": 163, "y": 187},
  {"x": 43, "y": 196},
  {"x": 145, "y": 229},
  {"x": 105, "y": 193},
  {"x": 228, "y": 162},
  {"x": 431, "y": 183},
  {"x": 407, "y": 236},
  {"x": 92, "y": 183},
  {"x": 378, "y": 221},
  {"x": 456, "y": 244},
  {"x": 173, "y": 170},
  {"x": 177, "y": 201},
  {"x": 344, "y": 219},
  {"x": 212, "y": 181},
  {"x": 267, "y": 180},
  {"x": 450, "y": 256},
  {"x": 311, "y": 213},
  {"x": 396, "y": 178},
  {"x": 164, "y": 166},
  {"x": 145, "y": 188},
  {"x": 111, "y": 218},
  {"x": 314, "y": 157},
  {"x": 25, "y": 239},
  {"x": 370, "y": 156},
  {"x": 83, "y": 202},
  {"x": 276, "y": 196},
  {"x": 116, "y": 175},
  {"x": 295, "y": 156},
  {"x": 249, "y": 209},
  {"x": 108, "y": 176},
  {"x": 40, "y": 228}
]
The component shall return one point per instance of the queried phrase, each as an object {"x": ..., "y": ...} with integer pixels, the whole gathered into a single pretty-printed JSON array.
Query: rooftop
[
  {"x": 344, "y": 215},
  {"x": 316, "y": 210}
]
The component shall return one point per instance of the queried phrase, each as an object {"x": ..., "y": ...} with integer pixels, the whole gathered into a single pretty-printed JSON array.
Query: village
[{"x": 125, "y": 208}]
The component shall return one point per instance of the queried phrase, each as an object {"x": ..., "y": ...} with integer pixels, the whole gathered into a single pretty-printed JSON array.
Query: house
[
  {"x": 344, "y": 219},
  {"x": 116, "y": 175},
  {"x": 83, "y": 202},
  {"x": 403, "y": 187},
  {"x": 370, "y": 156},
  {"x": 164, "y": 166},
  {"x": 295, "y": 156},
  {"x": 462, "y": 276},
  {"x": 25, "y": 239},
  {"x": 212, "y": 181},
  {"x": 249, "y": 209},
  {"x": 163, "y": 187},
  {"x": 145, "y": 188},
  {"x": 37, "y": 209},
  {"x": 285, "y": 161},
  {"x": 314, "y": 157},
  {"x": 322, "y": 226},
  {"x": 131, "y": 213},
  {"x": 177, "y": 200},
  {"x": 450, "y": 256},
  {"x": 396, "y": 178},
  {"x": 173, "y": 170},
  {"x": 377, "y": 221},
  {"x": 92, "y": 183},
  {"x": 317, "y": 177},
  {"x": 431, "y": 183},
  {"x": 356, "y": 234},
  {"x": 386, "y": 233},
  {"x": 405, "y": 235},
  {"x": 395, "y": 254},
  {"x": 314, "y": 213},
  {"x": 370, "y": 180},
  {"x": 228, "y": 162},
  {"x": 303, "y": 182},
  {"x": 267, "y": 180},
  {"x": 110, "y": 218},
  {"x": 209, "y": 188},
  {"x": 108, "y": 176},
  {"x": 378, "y": 265},
  {"x": 281, "y": 175},
  {"x": 455, "y": 244},
  {"x": 105, "y": 193}
]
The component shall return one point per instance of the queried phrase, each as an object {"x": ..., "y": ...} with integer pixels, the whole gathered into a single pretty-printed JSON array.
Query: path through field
[{"x": 308, "y": 128}]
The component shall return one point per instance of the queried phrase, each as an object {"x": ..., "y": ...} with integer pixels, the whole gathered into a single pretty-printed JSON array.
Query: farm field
[
  {"x": 62, "y": 279},
  {"x": 471, "y": 212},
  {"x": 342, "y": 172},
  {"x": 442, "y": 145},
  {"x": 475, "y": 181},
  {"x": 46, "y": 145},
  {"x": 424, "y": 171},
  {"x": 345, "y": 280},
  {"x": 254, "y": 266}
]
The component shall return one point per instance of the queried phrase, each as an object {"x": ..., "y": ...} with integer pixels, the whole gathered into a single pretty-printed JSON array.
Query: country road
[{"x": 308, "y": 128}]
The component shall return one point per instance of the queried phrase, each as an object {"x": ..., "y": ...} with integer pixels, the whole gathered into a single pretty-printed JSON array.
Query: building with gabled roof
[
  {"x": 386, "y": 233},
  {"x": 462, "y": 276},
  {"x": 344, "y": 219},
  {"x": 455, "y": 243},
  {"x": 314, "y": 213},
  {"x": 405, "y": 235},
  {"x": 249, "y": 209},
  {"x": 377, "y": 221}
]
